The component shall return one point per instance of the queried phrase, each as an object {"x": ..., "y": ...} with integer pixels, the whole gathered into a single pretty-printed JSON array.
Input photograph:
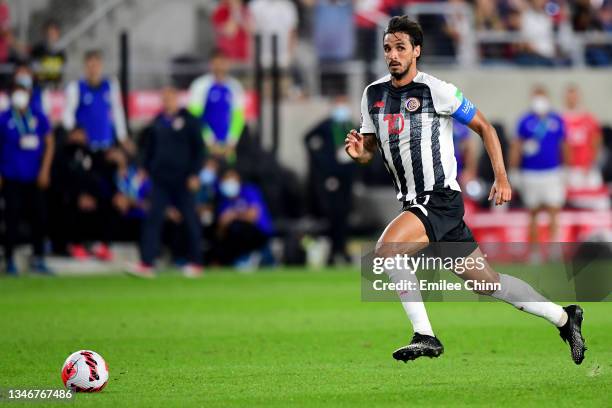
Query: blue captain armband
[{"x": 465, "y": 112}]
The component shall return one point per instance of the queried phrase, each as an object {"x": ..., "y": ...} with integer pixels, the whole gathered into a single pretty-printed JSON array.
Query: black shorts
[{"x": 441, "y": 211}]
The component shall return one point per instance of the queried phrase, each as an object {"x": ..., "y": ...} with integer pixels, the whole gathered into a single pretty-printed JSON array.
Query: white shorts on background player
[{"x": 540, "y": 188}]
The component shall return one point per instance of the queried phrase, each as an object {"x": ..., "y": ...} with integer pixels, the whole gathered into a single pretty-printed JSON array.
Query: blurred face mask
[
  {"x": 341, "y": 113},
  {"x": 20, "y": 99},
  {"x": 230, "y": 188},
  {"x": 207, "y": 176},
  {"x": 540, "y": 104},
  {"x": 24, "y": 80}
]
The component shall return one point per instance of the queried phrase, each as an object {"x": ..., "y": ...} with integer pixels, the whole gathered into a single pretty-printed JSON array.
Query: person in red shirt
[
  {"x": 232, "y": 29},
  {"x": 583, "y": 141}
]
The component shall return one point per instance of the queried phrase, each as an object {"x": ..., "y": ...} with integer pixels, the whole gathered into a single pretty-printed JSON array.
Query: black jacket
[{"x": 173, "y": 149}]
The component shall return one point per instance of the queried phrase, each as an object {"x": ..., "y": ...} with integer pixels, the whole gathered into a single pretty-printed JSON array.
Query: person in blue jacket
[{"x": 26, "y": 154}]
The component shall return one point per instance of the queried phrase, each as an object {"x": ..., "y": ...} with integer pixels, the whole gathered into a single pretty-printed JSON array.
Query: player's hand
[
  {"x": 501, "y": 191},
  {"x": 353, "y": 144}
]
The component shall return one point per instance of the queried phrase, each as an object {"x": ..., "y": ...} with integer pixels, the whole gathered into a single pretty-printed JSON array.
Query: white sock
[
  {"x": 522, "y": 296},
  {"x": 412, "y": 302}
]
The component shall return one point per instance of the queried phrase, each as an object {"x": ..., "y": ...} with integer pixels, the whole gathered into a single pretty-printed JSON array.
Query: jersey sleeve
[
  {"x": 449, "y": 100},
  {"x": 367, "y": 126}
]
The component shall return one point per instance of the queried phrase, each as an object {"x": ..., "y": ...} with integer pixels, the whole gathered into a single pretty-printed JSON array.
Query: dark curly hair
[{"x": 402, "y": 24}]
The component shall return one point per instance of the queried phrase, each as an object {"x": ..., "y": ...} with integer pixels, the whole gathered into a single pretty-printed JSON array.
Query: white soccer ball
[{"x": 85, "y": 371}]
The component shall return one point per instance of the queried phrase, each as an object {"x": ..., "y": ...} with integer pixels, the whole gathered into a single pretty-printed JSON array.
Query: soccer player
[{"x": 408, "y": 116}]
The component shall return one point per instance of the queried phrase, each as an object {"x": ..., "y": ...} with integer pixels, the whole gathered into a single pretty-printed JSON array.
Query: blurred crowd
[
  {"x": 89, "y": 182},
  {"x": 195, "y": 179},
  {"x": 340, "y": 30}
]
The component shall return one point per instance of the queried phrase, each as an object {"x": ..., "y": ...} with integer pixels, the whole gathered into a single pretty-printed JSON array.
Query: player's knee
[
  {"x": 488, "y": 285},
  {"x": 384, "y": 250}
]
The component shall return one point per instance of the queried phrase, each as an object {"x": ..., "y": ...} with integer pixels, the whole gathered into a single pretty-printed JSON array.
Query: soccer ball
[{"x": 85, "y": 371}]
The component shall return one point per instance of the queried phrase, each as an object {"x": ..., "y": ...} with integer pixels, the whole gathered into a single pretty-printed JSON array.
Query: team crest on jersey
[{"x": 412, "y": 104}]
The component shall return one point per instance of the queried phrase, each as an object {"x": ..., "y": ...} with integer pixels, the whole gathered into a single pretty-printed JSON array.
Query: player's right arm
[{"x": 360, "y": 147}]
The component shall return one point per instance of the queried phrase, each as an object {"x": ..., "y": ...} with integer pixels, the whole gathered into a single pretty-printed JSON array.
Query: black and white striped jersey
[{"x": 414, "y": 130}]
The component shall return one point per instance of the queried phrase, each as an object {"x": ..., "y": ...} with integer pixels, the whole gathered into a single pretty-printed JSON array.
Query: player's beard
[{"x": 402, "y": 74}]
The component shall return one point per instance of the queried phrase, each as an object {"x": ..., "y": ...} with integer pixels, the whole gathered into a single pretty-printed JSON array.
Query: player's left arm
[
  {"x": 449, "y": 100},
  {"x": 501, "y": 190}
]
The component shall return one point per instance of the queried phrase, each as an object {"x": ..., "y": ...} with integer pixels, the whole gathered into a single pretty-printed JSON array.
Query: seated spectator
[
  {"x": 537, "y": 29},
  {"x": 207, "y": 196},
  {"x": 585, "y": 19},
  {"x": 331, "y": 174},
  {"x": 172, "y": 157},
  {"x": 244, "y": 225},
  {"x": 334, "y": 30},
  {"x": 583, "y": 143},
  {"x": 132, "y": 202},
  {"x": 84, "y": 198},
  {"x": 231, "y": 22},
  {"x": 26, "y": 154},
  {"x": 280, "y": 18},
  {"x": 605, "y": 16},
  {"x": 487, "y": 17},
  {"x": 133, "y": 188},
  {"x": 49, "y": 61},
  {"x": 217, "y": 101}
]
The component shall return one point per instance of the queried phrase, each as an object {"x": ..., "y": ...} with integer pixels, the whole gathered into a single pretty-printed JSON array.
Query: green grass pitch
[{"x": 287, "y": 338}]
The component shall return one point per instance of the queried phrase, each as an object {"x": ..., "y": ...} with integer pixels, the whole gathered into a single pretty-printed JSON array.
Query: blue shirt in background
[
  {"x": 135, "y": 187},
  {"x": 94, "y": 114},
  {"x": 460, "y": 133},
  {"x": 218, "y": 113},
  {"x": 542, "y": 138},
  {"x": 249, "y": 196},
  {"x": 22, "y": 144},
  {"x": 36, "y": 99}
]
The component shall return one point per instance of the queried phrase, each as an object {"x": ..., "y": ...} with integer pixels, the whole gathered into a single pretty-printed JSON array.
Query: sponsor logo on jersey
[
  {"x": 412, "y": 104},
  {"x": 379, "y": 104}
]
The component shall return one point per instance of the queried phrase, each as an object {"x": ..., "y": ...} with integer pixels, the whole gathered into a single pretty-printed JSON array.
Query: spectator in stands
[
  {"x": 39, "y": 99},
  {"x": 82, "y": 191},
  {"x": 133, "y": 187},
  {"x": 217, "y": 100},
  {"x": 244, "y": 225},
  {"x": 538, "y": 32},
  {"x": 583, "y": 143},
  {"x": 605, "y": 16},
  {"x": 26, "y": 153},
  {"x": 94, "y": 104},
  {"x": 5, "y": 41},
  {"x": 331, "y": 175},
  {"x": 49, "y": 60},
  {"x": 584, "y": 18},
  {"x": 280, "y": 18},
  {"x": 12, "y": 52},
  {"x": 537, "y": 152},
  {"x": 334, "y": 30},
  {"x": 231, "y": 22},
  {"x": 172, "y": 157},
  {"x": 487, "y": 17}
]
